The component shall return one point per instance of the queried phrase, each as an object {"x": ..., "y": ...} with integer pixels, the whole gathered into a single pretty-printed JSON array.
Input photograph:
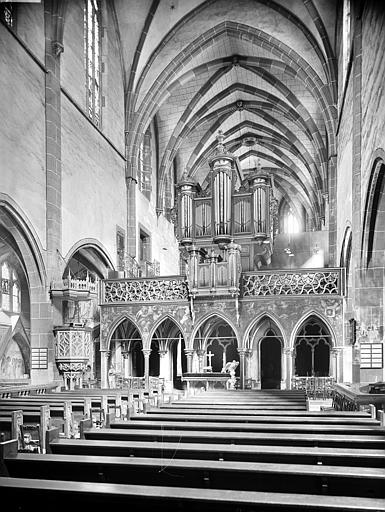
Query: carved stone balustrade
[
  {"x": 115, "y": 291},
  {"x": 73, "y": 350},
  {"x": 71, "y": 288},
  {"x": 297, "y": 282}
]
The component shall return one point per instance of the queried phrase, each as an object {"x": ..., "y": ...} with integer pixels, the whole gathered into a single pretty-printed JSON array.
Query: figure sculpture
[{"x": 230, "y": 367}]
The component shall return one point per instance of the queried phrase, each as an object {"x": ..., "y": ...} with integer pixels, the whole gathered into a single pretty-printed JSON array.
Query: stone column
[
  {"x": 164, "y": 367},
  {"x": 104, "y": 355},
  {"x": 242, "y": 352},
  {"x": 248, "y": 354},
  {"x": 189, "y": 355},
  {"x": 146, "y": 353},
  {"x": 201, "y": 354},
  {"x": 333, "y": 368},
  {"x": 126, "y": 356},
  {"x": 287, "y": 367}
]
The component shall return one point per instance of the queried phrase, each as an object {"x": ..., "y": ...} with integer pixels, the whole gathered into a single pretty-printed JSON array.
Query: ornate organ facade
[{"x": 229, "y": 207}]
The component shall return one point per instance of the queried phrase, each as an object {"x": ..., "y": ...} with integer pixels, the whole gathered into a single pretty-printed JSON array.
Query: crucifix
[{"x": 209, "y": 355}]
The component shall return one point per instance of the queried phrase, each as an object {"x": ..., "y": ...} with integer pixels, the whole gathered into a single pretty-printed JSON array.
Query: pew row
[{"x": 61, "y": 495}]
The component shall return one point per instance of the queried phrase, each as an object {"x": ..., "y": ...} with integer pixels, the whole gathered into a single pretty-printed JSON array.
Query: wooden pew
[
  {"x": 279, "y": 438},
  {"x": 235, "y": 475},
  {"x": 60, "y": 495},
  {"x": 317, "y": 420},
  {"x": 218, "y": 451},
  {"x": 372, "y": 429}
]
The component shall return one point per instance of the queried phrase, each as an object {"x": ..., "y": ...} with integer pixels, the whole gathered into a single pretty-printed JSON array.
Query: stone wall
[{"x": 22, "y": 146}]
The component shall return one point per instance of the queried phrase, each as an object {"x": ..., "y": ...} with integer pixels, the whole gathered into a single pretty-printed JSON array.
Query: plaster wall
[
  {"x": 373, "y": 97},
  {"x": 22, "y": 129},
  {"x": 344, "y": 168},
  {"x": 93, "y": 183},
  {"x": 164, "y": 247},
  {"x": 73, "y": 73},
  {"x": 30, "y": 27}
]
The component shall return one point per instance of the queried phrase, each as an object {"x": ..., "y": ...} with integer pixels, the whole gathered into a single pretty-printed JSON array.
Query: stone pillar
[
  {"x": 104, "y": 354},
  {"x": 242, "y": 352},
  {"x": 126, "y": 361},
  {"x": 201, "y": 354},
  {"x": 333, "y": 368},
  {"x": 287, "y": 366},
  {"x": 164, "y": 366},
  {"x": 189, "y": 355},
  {"x": 248, "y": 354},
  {"x": 146, "y": 353}
]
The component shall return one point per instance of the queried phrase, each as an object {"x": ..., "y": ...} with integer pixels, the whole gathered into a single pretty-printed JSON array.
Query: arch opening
[{"x": 312, "y": 348}]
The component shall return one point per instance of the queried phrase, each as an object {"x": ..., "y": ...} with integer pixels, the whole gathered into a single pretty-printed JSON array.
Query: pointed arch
[
  {"x": 105, "y": 341},
  {"x": 375, "y": 196},
  {"x": 257, "y": 320},
  {"x": 205, "y": 318},
  {"x": 162, "y": 319},
  {"x": 26, "y": 240},
  {"x": 318, "y": 316},
  {"x": 95, "y": 245}
]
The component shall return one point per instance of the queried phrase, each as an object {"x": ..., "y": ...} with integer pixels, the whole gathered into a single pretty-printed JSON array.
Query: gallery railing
[
  {"x": 172, "y": 288},
  {"x": 303, "y": 282},
  {"x": 296, "y": 282},
  {"x": 314, "y": 387}
]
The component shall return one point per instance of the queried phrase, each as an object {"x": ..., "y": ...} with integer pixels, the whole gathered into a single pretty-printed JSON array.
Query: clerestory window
[
  {"x": 8, "y": 14},
  {"x": 92, "y": 57}
]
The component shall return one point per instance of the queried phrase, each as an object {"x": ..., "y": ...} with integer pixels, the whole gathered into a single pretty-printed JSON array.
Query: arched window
[
  {"x": 144, "y": 164},
  {"x": 292, "y": 224},
  {"x": 92, "y": 57},
  {"x": 10, "y": 289}
]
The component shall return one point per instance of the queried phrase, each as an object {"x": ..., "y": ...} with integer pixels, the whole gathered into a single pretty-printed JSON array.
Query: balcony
[
  {"x": 326, "y": 281},
  {"x": 70, "y": 288},
  {"x": 121, "y": 291},
  {"x": 215, "y": 280}
]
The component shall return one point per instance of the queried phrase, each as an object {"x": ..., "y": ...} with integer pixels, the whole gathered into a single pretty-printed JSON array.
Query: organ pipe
[
  {"x": 259, "y": 183},
  {"x": 222, "y": 197},
  {"x": 187, "y": 190}
]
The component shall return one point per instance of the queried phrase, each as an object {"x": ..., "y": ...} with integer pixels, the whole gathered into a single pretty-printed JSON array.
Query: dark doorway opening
[{"x": 270, "y": 362}]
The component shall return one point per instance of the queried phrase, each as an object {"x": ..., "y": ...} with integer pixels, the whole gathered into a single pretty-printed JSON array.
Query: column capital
[
  {"x": 242, "y": 351},
  {"x": 189, "y": 351},
  {"x": 162, "y": 353},
  {"x": 146, "y": 352}
]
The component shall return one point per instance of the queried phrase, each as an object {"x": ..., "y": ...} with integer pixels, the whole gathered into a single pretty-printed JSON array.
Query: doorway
[{"x": 270, "y": 362}]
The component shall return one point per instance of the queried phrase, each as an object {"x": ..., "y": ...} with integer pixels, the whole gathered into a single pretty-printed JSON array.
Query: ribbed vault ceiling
[{"x": 259, "y": 70}]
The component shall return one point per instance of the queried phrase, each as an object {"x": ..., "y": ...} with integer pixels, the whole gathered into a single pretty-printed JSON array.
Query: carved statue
[
  {"x": 230, "y": 367},
  {"x": 262, "y": 254}
]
